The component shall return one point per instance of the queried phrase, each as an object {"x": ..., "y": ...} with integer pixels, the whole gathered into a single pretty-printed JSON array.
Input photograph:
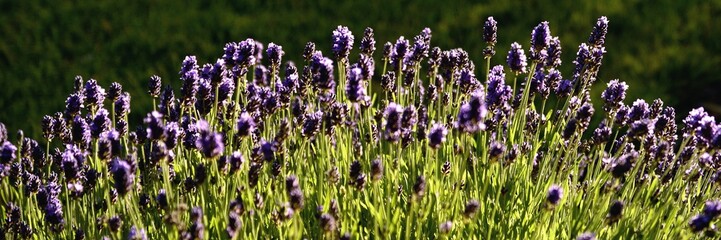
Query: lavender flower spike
[
  {"x": 275, "y": 53},
  {"x": 355, "y": 87},
  {"x": 94, "y": 94},
  {"x": 246, "y": 125},
  {"x": 154, "y": 85},
  {"x": 123, "y": 176},
  {"x": 471, "y": 114},
  {"x": 598, "y": 36},
  {"x": 437, "y": 135},
  {"x": 342, "y": 43},
  {"x": 555, "y": 193},
  {"x": 209, "y": 143},
  {"x": 614, "y": 94},
  {"x": 516, "y": 59},
  {"x": 7, "y": 153},
  {"x": 393, "y": 114},
  {"x": 490, "y": 30},
  {"x": 490, "y": 37}
]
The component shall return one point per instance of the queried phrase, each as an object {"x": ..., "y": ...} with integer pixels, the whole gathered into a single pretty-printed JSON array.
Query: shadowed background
[{"x": 663, "y": 49}]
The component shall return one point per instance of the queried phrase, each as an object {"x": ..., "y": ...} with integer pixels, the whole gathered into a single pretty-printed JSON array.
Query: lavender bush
[{"x": 442, "y": 149}]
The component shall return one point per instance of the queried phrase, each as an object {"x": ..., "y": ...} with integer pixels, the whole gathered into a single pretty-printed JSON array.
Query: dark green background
[{"x": 668, "y": 48}]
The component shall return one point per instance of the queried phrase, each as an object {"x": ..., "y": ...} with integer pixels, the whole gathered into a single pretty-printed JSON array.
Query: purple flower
[
  {"x": 172, "y": 134},
  {"x": 311, "y": 124},
  {"x": 80, "y": 131},
  {"x": 209, "y": 143},
  {"x": 73, "y": 104},
  {"x": 100, "y": 123},
  {"x": 154, "y": 86},
  {"x": 471, "y": 208},
  {"x": 72, "y": 162},
  {"x": 267, "y": 150},
  {"x": 245, "y": 125},
  {"x": 554, "y": 195},
  {"x": 205, "y": 97},
  {"x": 189, "y": 89},
  {"x": 554, "y": 53},
  {"x": 355, "y": 87},
  {"x": 162, "y": 199},
  {"x": 498, "y": 93},
  {"x": 275, "y": 54},
  {"x": 692, "y": 121},
  {"x": 602, "y": 134},
  {"x": 699, "y": 222},
  {"x": 114, "y": 90},
  {"x": 308, "y": 51},
  {"x": 716, "y": 140},
  {"x": 490, "y": 31},
  {"x": 47, "y": 125},
  {"x": 109, "y": 144},
  {"x": 94, "y": 94},
  {"x": 291, "y": 77},
  {"x": 368, "y": 43},
  {"x": 296, "y": 199},
  {"x": 258, "y": 52},
  {"x": 235, "y": 161},
  {"x": 225, "y": 89},
  {"x": 327, "y": 222},
  {"x": 136, "y": 233},
  {"x": 342, "y": 43},
  {"x": 322, "y": 69},
  {"x": 495, "y": 150},
  {"x": 7, "y": 152},
  {"x": 398, "y": 53},
  {"x": 445, "y": 227},
  {"x": 234, "y": 224},
  {"x": 540, "y": 39},
  {"x": 623, "y": 164},
  {"x": 583, "y": 55},
  {"x": 471, "y": 114},
  {"x": 393, "y": 114},
  {"x": 155, "y": 128},
  {"x": 541, "y": 36},
  {"x": 241, "y": 54},
  {"x": 615, "y": 211},
  {"x": 437, "y": 135},
  {"x": 638, "y": 111},
  {"x": 189, "y": 68},
  {"x": 598, "y": 36},
  {"x": 123, "y": 176},
  {"x": 122, "y": 105},
  {"x": 539, "y": 84},
  {"x": 516, "y": 59},
  {"x": 54, "y": 211},
  {"x": 420, "y": 47},
  {"x": 489, "y": 36},
  {"x": 564, "y": 88},
  {"x": 614, "y": 94},
  {"x": 409, "y": 117},
  {"x": 367, "y": 66},
  {"x": 706, "y": 129},
  {"x": 467, "y": 81},
  {"x": 712, "y": 208}
]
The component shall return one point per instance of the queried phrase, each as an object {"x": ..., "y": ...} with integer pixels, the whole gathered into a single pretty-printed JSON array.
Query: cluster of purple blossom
[{"x": 235, "y": 105}]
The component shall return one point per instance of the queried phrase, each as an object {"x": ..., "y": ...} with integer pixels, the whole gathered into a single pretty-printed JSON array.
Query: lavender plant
[{"x": 442, "y": 150}]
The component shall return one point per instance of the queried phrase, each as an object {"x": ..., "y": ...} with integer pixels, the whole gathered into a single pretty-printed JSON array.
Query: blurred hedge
[{"x": 666, "y": 48}]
